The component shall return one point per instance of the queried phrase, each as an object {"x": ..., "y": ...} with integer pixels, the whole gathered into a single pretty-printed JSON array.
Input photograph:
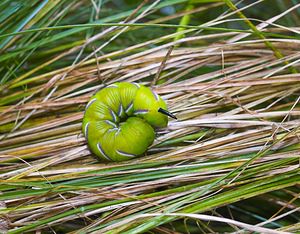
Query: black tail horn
[{"x": 165, "y": 112}]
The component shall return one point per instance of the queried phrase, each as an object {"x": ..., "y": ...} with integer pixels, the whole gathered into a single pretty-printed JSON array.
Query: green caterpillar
[{"x": 119, "y": 120}]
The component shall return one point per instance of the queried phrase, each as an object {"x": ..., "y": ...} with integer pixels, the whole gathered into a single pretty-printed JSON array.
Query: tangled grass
[{"x": 230, "y": 163}]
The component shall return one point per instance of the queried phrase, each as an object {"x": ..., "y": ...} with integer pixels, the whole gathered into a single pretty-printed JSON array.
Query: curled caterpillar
[{"x": 119, "y": 120}]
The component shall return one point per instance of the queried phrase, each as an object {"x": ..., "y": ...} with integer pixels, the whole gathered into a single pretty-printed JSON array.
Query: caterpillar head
[{"x": 151, "y": 107}]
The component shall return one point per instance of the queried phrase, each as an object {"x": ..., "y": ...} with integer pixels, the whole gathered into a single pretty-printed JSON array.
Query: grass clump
[{"x": 230, "y": 163}]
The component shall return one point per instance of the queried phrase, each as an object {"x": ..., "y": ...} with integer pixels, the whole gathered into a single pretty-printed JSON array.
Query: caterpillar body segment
[{"x": 148, "y": 103}]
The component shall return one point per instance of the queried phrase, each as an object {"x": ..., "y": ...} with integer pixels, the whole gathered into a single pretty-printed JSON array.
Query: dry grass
[{"x": 236, "y": 138}]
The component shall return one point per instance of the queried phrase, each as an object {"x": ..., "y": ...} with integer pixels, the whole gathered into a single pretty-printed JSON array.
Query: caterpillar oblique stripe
[{"x": 120, "y": 120}]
